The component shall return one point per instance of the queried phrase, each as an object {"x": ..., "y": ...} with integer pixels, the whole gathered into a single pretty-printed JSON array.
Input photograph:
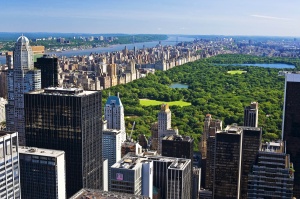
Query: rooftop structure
[{"x": 98, "y": 194}]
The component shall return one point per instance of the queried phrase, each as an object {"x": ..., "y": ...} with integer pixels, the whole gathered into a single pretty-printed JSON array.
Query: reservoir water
[{"x": 277, "y": 65}]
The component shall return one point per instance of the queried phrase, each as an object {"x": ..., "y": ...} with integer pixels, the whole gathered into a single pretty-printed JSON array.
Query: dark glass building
[
  {"x": 291, "y": 124},
  {"x": 42, "y": 173},
  {"x": 49, "y": 70},
  {"x": 251, "y": 115},
  {"x": 178, "y": 146},
  {"x": 251, "y": 146},
  {"x": 69, "y": 120}
]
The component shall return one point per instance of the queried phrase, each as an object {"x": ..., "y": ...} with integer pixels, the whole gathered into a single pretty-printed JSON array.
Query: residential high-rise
[
  {"x": 68, "y": 119},
  {"x": 272, "y": 175},
  {"x": 42, "y": 173},
  {"x": 111, "y": 147},
  {"x": 9, "y": 165},
  {"x": 291, "y": 124},
  {"x": 251, "y": 115},
  {"x": 49, "y": 70},
  {"x": 114, "y": 115},
  {"x": 22, "y": 78},
  {"x": 3, "y": 81},
  {"x": 164, "y": 125}
]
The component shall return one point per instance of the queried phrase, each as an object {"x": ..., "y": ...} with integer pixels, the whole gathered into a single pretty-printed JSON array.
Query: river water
[{"x": 170, "y": 41}]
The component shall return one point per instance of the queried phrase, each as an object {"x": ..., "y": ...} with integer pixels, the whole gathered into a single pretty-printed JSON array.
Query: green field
[
  {"x": 147, "y": 102},
  {"x": 236, "y": 72}
]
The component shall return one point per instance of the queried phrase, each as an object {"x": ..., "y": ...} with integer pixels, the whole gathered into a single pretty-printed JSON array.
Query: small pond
[{"x": 179, "y": 85}]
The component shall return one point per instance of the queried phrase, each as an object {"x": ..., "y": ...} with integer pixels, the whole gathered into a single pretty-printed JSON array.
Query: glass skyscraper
[{"x": 68, "y": 119}]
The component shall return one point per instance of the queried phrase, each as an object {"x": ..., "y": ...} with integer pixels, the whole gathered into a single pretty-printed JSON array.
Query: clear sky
[{"x": 195, "y": 17}]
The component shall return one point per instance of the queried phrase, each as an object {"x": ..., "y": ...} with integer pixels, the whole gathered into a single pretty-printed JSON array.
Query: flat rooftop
[
  {"x": 233, "y": 129},
  {"x": 179, "y": 138},
  {"x": 97, "y": 194},
  {"x": 63, "y": 91},
  {"x": 40, "y": 151},
  {"x": 128, "y": 162},
  {"x": 111, "y": 131}
]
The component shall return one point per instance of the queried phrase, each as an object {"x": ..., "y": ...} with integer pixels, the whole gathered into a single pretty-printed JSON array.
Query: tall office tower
[
  {"x": 111, "y": 147},
  {"x": 42, "y": 173},
  {"x": 272, "y": 175},
  {"x": 251, "y": 146},
  {"x": 9, "y": 165},
  {"x": 68, "y": 119},
  {"x": 49, "y": 70},
  {"x": 251, "y": 115},
  {"x": 164, "y": 125},
  {"x": 228, "y": 163},
  {"x": 179, "y": 179},
  {"x": 291, "y": 124},
  {"x": 207, "y": 144},
  {"x": 180, "y": 147},
  {"x": 209, "y": 161},
  {"x": 132, "y": 175},
  {"x": 22, "y": 78},
  {"x": 114, "y": 115}
]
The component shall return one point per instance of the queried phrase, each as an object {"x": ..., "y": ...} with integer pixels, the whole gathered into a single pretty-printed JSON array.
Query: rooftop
[
  {"x": 63, "y": 91},
  {"x": 114, "y": 100},
  {"x": 111, "y": 131},
  {"x": 40, "y": 151},
  {"x": 97, "y": 194},
  {"x": 179, "y": 138}
]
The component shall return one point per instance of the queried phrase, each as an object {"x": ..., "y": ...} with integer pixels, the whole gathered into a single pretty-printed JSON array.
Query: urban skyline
[{"x": 162, "y": 17}]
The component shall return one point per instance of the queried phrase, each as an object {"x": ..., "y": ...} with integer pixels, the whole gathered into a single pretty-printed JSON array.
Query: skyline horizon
[
  {"x": 128, "y": 34},
  {"x": 233, "y": 17}
]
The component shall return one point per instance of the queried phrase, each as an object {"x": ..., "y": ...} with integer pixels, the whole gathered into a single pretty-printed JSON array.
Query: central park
[{"x": 216, "y": 86}]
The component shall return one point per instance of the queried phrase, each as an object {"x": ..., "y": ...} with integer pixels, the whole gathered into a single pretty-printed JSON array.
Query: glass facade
[{"x": 68, "y": 121}]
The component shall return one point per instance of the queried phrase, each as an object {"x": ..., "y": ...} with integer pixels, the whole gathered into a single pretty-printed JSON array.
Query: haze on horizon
[{"x": 193, "y": 17}]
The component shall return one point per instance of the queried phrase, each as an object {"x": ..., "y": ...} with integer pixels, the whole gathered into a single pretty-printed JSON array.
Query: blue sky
[{"x": 226, "y": 17}]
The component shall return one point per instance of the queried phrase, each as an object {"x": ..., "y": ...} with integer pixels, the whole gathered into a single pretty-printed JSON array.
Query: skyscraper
[
  {"x": 164, "y": 125},
  {"x": 111, "y": 148},
  {"x": 291, "y": 124},
  {"x": 251, "y": 115},
  {"x": 231, "y": 155},
  {"x": 68, "y": 119},
  {"x": 114, "y": 115},
  {"x": 9, "y": 165},
  {"x": 42, "y": 173},
  {"x": 22, "y": 78},
  {"x": 49, "y": 70},
  {"x": 228, "y": 163},
  {"x": 272, "y": 175},
  {"x": 178, "y": 146}
]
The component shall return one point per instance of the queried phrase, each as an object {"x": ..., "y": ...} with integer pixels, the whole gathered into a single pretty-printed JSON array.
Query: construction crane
[{"x": 129, "y": 139}]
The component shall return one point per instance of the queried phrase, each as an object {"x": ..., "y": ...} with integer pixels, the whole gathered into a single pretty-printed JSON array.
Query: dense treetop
[{"x": 211, "y": 90}]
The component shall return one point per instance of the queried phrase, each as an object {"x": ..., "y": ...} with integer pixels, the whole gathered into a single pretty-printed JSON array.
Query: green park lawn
[
  {"x": 147, "y": 102},
  {"x": 236, "y": 72}
]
